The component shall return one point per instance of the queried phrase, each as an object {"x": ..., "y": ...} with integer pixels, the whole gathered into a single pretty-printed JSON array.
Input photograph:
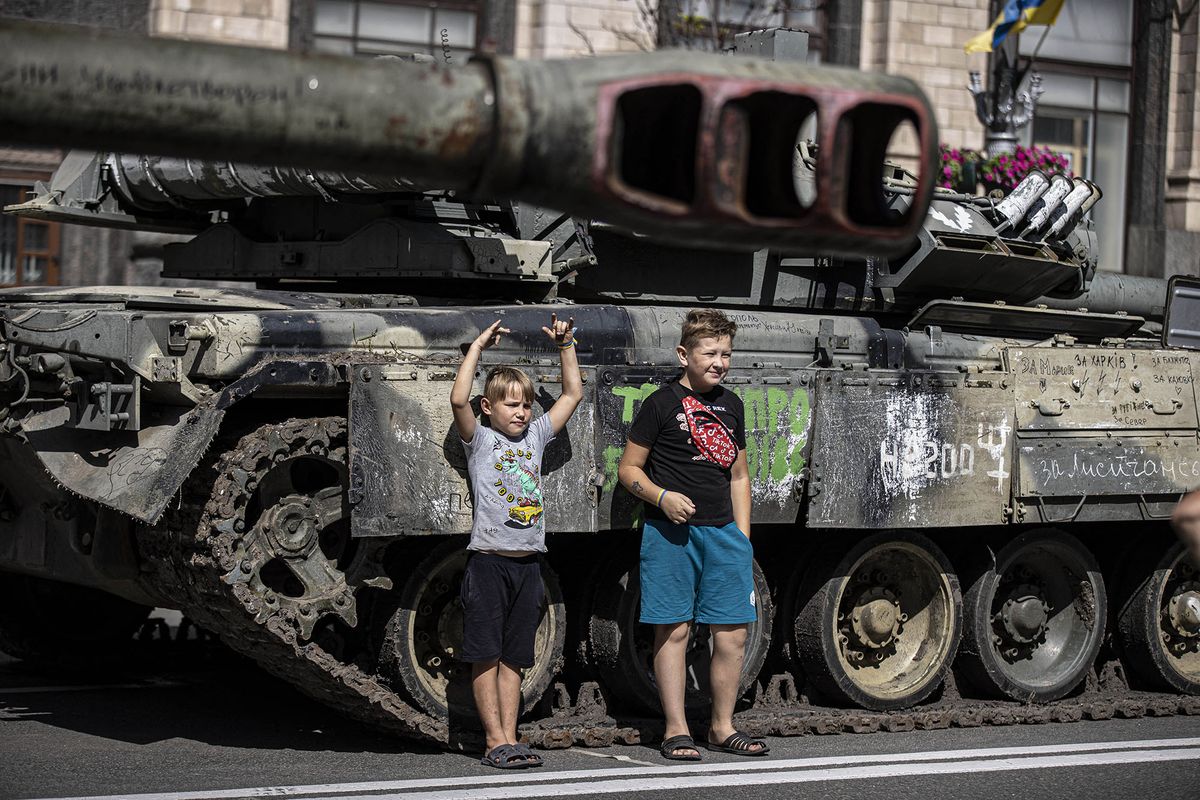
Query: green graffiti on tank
[
  {"x": 612, "y": 460},
  {"x": 633, "y": 397},
  {"x": 776, "y": 431},
  {"x": 777, "y": 421}
]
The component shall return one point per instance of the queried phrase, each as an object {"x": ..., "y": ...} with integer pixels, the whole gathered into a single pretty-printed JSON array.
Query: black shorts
[{"x": 502, "y": 606}]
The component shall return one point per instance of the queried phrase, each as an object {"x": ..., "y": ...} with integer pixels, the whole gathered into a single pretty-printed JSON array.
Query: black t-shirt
[{"x": 693, "y": 440}]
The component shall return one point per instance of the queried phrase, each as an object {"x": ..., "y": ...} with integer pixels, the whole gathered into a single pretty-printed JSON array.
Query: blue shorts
[{"x": 696, "y": 572}]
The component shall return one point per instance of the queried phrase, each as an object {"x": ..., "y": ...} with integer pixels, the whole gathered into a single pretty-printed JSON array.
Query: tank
[{"x": 963, "y": 439}]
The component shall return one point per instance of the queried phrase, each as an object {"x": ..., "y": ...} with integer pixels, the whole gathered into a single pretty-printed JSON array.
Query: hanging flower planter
[{"x": 966, "y": 170}]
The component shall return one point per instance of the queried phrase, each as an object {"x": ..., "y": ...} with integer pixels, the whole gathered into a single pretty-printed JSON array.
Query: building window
[
  {"x": 712, "y": 24},
  {"x": 446, "y": 29},
  {"x": 1085, "y": 62},
  {"x": 1087, "y": 118},
  {"x": 29, "y": 248},
  {"x": 1095, "y": 32}
]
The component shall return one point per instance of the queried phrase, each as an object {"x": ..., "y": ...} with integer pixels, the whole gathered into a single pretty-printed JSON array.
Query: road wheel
[
  {"x": 1035, "y": 619},
  {"x": 622, "y": 649},
  {"x": 63, "y": 625},
  {"x": 879, "y": 624},
  {"x": 423, "y": 638},
  {"x": 1160, "y": 622}
]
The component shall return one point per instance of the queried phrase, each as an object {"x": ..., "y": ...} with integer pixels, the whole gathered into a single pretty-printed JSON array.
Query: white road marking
[
  {"x": 1139, "y": 748},
  {"x": 583, "y": 751},
  {"x": 693, "y": 782}
]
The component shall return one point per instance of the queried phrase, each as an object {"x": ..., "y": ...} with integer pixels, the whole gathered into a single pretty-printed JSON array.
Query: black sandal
[
  {"x": 739, "y": 744},
  {"x": 532, "y": 759},
  {"x": 681, "y": 742},
  {"x": 505, "y": 756}
]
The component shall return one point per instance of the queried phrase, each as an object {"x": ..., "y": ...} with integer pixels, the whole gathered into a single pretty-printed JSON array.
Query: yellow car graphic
[{"x": 526, "y": 514}]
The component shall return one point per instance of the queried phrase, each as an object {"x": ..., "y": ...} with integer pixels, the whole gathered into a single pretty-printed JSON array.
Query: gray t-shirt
[{"x": 506, "y": 483}]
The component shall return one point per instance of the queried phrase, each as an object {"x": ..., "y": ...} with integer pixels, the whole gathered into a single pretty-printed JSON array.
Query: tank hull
[{"x": 868, "y": 448}]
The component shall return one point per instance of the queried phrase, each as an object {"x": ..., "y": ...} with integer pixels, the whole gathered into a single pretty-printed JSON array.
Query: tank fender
[
  {"x": 135, "y": 473},
  {"x": 138, "y": 473}
]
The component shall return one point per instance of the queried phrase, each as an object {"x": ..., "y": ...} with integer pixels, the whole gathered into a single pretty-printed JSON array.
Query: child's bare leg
[
  {"x": 509, "y": 682},
  {"x": 485, "y": 684},
  {"x": 729, "y": 647},
  {"x": 670, "y": 672}
]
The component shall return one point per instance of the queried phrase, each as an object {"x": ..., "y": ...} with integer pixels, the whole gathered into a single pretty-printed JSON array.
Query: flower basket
[
  {"x": 965, "y": 170},
  {"x": 1006, "y": 170}
]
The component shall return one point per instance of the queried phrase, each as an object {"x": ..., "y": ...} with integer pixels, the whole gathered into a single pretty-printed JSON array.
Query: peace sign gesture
[{"x": 561, "y": 333}]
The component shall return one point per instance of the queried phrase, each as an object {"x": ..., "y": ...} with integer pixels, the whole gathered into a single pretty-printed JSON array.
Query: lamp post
[{"x": 1003, "y": 110}]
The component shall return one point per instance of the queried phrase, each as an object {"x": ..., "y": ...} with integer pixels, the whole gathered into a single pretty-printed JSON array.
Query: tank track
[
  {"x": 777, "y": 711},
  {"x": 193, "y": 552}
]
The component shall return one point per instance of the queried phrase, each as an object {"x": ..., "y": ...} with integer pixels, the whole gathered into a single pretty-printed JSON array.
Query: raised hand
[
  {"x": 490, "y": 336},
  {"x": 560, "y": 332}
]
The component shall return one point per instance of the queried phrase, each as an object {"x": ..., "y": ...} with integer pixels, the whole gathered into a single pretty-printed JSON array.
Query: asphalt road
[{"x": 189, "y": 722}]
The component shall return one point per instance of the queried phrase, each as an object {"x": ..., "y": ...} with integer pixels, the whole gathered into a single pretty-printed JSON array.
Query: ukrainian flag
[{"x": 1014, "y": 18}]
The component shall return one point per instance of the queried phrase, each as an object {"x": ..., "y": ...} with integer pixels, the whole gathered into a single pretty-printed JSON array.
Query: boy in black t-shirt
[{"x": 685, "y": 458}]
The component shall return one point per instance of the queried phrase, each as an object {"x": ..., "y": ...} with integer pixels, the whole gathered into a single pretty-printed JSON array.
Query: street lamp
[{"x": 1002, "y": 110}]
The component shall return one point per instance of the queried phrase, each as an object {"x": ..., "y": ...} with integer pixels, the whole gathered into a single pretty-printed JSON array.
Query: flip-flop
[
  {"x": 739, "y": 744},
  {"x": 505, "y": 756},
  {"x": 532, "y": 759},
  {"x": 681, "y": 742}
]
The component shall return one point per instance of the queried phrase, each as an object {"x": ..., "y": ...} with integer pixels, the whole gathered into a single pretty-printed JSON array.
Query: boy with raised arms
[{"x": 502, "y": 586}]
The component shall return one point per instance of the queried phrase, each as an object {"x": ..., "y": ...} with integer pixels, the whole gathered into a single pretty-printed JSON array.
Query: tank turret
[{"x": 276, "y": 226}]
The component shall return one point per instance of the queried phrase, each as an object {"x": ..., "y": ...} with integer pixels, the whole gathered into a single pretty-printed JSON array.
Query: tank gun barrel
[
  {"x": 1113, "y": 292},
  {"x": 689, "y": 147}
]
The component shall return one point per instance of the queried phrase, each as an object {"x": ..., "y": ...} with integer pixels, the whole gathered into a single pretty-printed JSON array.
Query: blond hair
[
  {"x": 704, "y": 323},
  {"x": 501, "y": 379}
]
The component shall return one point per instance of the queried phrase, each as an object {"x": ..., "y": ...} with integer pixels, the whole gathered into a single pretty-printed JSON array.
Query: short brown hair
[
  {"x": 704, "y": 323},
  {"x": 501, "y": 379}
]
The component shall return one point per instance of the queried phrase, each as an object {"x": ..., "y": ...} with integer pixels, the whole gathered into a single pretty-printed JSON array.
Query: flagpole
[
  {"x": 1038, "y": 49},
  {"x": 1020, "y": 71},
  {"x": 1004, "y": 109}
]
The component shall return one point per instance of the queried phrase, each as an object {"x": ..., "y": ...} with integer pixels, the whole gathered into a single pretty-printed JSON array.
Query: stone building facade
[
  {"x": 557, "y": 28},
  {"x": 924, "y": 41},
  {"x": 1110, "y": 89},
  {"x": 1183, "y": 138},
  {"x": 256, "y": 23}
]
